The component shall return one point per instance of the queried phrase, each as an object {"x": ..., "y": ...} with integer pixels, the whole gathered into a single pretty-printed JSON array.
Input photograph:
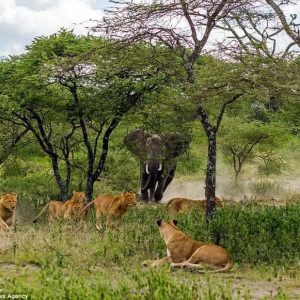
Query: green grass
[{"x": 74, "y": 261}]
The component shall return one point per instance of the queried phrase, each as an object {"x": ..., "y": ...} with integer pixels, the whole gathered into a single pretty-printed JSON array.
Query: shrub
[{"x": 253, "y": 233}]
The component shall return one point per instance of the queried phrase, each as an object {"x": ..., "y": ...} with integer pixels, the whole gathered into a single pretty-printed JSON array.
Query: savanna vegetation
[{"x": 66, "y": 105}]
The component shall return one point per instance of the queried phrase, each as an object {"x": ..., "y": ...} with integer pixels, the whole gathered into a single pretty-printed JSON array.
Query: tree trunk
[
  {"x": 89, "y": 189},
  {"x": 62, "y": 185},
  {"x": 237, "y": 176},
  {"x": 210, "y": 181},
  {"x": 92, "y": 177},
  {"x": 211, "y": 133}
]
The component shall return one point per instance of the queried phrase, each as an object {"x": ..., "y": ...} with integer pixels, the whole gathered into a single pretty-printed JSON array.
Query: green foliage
[
  {"x": 252, "y": 234},
  {"x": 253, "y": 142},
  {"x": 71, "y": 92}
]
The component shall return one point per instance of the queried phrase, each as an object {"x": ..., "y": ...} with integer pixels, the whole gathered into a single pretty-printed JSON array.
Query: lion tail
[
  {"x": 227, "y": 267},
  {"x": 41, "y": 212},
  {"x": 86, "y": 207}
]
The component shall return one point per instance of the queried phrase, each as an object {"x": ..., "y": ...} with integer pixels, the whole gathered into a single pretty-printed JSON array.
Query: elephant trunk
[{"x": 152, "y": 168}]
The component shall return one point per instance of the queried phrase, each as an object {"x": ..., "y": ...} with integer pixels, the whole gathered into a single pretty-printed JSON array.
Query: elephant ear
[
  {"x": 135, "y": 141},
  {"x": 176, "y": 144}
]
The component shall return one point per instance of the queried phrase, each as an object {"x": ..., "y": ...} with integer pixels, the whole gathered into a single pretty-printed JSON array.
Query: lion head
[
  {"x": 129, "y": 198},
  {"x": 78, "y": 197},
  {"x": 75, "y": 209},
  {"x": 9, "y": 201},
  {"x": 74, "y": 205}
]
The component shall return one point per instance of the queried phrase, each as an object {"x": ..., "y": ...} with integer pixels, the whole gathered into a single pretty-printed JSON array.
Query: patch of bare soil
[
  {"x": 268, "y": 290},
  {"x": 13, "y": 267},
  {"x": 265, "y": 289},
  {"x": 258, "y": 289},
  {"x": 192, "y": 189}
]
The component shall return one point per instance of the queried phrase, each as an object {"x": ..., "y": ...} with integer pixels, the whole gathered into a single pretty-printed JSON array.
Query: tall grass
[
  {"x": 266, "y": 188},
  {"x": 78, "y": 262},
  {"x": 251, "y": 233}
]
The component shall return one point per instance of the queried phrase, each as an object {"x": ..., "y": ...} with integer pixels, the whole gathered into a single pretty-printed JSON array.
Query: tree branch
[
  {"x": 223, "y": 108},
  {"x": 278, "y": 11}
]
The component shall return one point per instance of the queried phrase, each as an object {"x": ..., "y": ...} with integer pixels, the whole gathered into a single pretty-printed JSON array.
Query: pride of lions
[{"x": 182, "y": 251}]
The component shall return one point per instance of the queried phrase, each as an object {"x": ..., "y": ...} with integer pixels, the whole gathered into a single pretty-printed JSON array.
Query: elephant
[{"x": 157, "y": 155}]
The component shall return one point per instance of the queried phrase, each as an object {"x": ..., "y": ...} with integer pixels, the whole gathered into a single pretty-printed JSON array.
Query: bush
[{"x": 252, "y": 234}]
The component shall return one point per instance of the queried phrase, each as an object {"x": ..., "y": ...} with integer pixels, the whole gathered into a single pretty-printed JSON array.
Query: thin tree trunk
[
  {"x": 89, "y": 188},
  {"x": 211, "y": 133},
  {"x": 236, "y": 178},
  {"x": 91, "y": 178},
  {"x": 86, "y": 138},
  {"x": 210, "y": 181},
  {"x": 62, "y": 185}
]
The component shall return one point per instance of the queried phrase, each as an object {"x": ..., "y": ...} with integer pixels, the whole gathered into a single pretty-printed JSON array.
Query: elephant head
[{"x": 153, "y": 151}]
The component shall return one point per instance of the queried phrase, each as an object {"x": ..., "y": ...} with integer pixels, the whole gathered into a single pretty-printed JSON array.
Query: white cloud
[{"x": 22, "y": 20}]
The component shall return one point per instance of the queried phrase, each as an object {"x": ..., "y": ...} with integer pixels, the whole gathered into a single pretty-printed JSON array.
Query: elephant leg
[
  {"x": 160, "y": 187},
  {"x": 145, "y": 195},
  {"x": 163, "y": 184},
  {"x": 152, "y": 191},
  {"x": 169, "y": 178}
]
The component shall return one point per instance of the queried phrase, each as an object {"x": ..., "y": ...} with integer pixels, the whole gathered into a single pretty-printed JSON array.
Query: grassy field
[{"x": 75, "y": 261}]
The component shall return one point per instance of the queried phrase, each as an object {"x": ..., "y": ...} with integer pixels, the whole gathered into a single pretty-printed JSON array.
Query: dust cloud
[{"x": 270, "y": 188}]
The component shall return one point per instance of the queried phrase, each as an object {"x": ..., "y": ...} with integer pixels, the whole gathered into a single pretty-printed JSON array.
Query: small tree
[
  {"x": 29, "y": 102},
  {"x": 245, "y": 142}
]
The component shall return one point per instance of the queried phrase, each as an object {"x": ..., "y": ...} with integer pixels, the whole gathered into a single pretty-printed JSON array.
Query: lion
[
  {"x": 111, "y": 206},
  {"x": 65, "y": 210},
  {"x": 8, "y": 204},
  {"x": 182, "y": 251},
  {"x": 183, "y": 205},
  {"x": 74, "y": 206}
]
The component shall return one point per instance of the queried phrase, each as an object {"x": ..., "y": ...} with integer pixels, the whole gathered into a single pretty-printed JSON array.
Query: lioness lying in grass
[
  {"x": 182, "y": 251},
  {"x": 183, "y": 205}
]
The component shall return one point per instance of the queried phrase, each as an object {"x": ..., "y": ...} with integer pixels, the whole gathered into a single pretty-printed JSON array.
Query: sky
[{"x": 22, "y": 20}]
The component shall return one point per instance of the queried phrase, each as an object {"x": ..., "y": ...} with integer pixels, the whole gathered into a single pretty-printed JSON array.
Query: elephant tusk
[
  {"x": 160, "y": 167},
  {"x": 147, "y": 169}
]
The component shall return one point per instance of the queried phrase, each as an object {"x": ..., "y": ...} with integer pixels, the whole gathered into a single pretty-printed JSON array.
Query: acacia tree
[
  {"x": 254, "y": 141},
  {"x": 184, "y": 27},
  {"x": 104, "y": 85},
  {"x": 30, "y": 102},
  {"x": 66, "y": 81}
]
